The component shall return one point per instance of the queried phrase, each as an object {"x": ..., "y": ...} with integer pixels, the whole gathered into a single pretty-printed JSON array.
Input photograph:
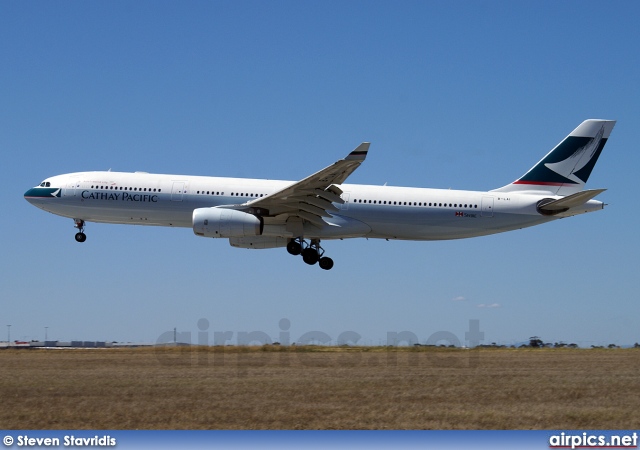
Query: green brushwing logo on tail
[{"x": 571, "y": 162}]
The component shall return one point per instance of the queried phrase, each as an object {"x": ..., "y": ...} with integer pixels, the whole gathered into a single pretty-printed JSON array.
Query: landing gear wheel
[
  {"x": 294, "y": 247},
  {"x": 326, "y": 263},
  {"x": 80, "y": 236},
  {"x": 310, "y": 255},
  {"x": 311, "y": 252}
]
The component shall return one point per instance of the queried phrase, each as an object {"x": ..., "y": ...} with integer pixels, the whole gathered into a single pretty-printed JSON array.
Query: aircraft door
[
  {"x": 177, "y": 191},
  {"x": 70, "y": 188},
  {"x": 345, "y": 197},
  {"x": 487, "y": 207}
]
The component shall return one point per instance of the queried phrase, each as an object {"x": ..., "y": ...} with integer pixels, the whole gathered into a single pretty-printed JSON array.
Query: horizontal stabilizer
[{"x": 570, "y": 201}]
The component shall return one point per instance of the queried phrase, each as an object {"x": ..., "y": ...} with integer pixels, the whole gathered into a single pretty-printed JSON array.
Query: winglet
[{"x": 360, "y": 153}]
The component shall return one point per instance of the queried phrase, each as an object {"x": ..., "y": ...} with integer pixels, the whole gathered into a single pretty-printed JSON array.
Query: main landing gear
[
  {"x": 80, "y": 236},
  {"x": 311, "y": 252}
]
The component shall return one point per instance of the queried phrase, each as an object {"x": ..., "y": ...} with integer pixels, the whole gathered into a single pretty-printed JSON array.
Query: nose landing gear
[
  {"x": 311, "y": 252},
  {"x": 80, "y": 236}
]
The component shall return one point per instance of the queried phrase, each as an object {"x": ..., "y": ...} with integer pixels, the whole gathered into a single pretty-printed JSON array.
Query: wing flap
[
  {"x": 329, "y": 196},
  {"x": 313, "y": 209},
  {"x": 311, "y": 218},
  {"x": 321, "y": 203}
]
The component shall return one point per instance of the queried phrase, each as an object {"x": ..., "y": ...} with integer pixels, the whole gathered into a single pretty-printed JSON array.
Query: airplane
[{"x": 260, "y": 214}]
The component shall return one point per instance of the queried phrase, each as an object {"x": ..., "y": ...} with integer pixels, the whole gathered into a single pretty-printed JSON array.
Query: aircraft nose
[
  {"x": 31, "y": 194},
  {"x": 36, "y": 194}
]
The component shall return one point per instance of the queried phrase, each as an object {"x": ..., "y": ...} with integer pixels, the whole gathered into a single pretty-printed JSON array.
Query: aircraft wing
[{"x": 311, "y": 198}]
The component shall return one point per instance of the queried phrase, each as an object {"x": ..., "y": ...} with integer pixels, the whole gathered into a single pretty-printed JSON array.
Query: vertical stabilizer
[{"x": 566, "y": 169}]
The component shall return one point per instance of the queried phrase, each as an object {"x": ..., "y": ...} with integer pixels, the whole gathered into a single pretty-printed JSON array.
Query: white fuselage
[{"x": 368, "y": 211}]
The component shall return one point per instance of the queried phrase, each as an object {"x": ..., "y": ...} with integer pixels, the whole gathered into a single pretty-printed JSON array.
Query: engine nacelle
[{"x": 225, "y": 223}]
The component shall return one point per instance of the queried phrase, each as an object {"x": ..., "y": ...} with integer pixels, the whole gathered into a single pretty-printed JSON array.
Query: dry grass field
[{"x": 319, "y": 388}]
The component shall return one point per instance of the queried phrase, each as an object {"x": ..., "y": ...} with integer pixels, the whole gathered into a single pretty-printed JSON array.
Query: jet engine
[{"x": 225, "y": 223}]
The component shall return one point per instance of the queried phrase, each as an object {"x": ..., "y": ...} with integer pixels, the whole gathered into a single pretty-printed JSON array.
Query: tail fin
[{"x": 566, "y": 168}]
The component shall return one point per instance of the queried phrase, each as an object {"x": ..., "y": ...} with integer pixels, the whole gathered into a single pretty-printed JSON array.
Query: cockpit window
[{"x": 45, "y": 184}]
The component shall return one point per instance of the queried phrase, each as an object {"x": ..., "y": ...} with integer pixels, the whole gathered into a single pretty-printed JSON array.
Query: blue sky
[{"x": 462, "y": 95}]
